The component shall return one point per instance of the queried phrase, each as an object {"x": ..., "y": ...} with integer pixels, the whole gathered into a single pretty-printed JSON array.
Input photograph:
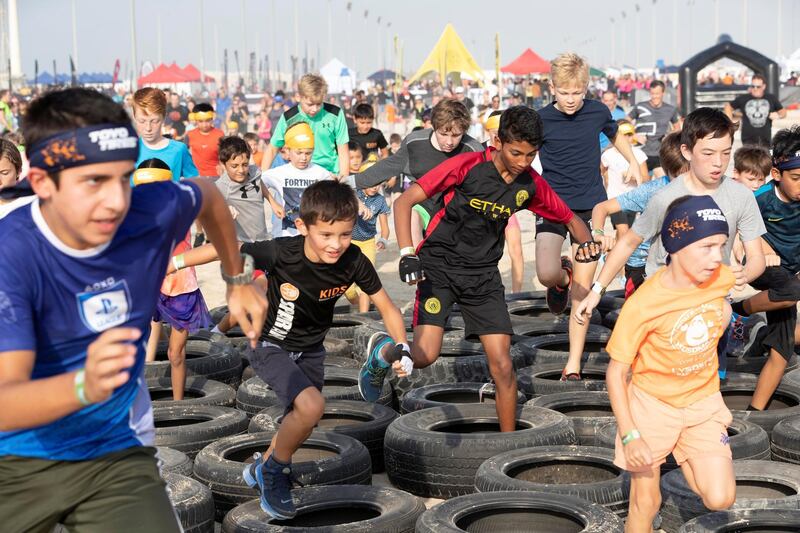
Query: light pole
[
  {"x": 613, "y": 42},
  {"x": 134, "y": 61},
  {"x": 638, "y": 34}
]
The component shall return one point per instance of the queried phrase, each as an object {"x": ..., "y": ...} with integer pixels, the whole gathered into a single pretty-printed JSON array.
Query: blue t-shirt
[
  {"x": 782, "y": 220},
  {"x": 367, "y": 229},
  {"x": 635, "y": 201},
  {"x": 617, "y": 114},
  {"x": 570, "y": 153},
  {"x": 175, "y": 154},
  {"x": 55, "y": 301}
]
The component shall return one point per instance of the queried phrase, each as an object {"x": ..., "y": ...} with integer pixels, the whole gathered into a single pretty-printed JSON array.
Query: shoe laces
[
  {"x": 737, "y": 329},
  {"x": 279, "y": 478},
  {"x": 376, "y": 373}
]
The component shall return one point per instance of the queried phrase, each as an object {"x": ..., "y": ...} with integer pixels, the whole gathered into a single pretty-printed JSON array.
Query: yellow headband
[
  {"x": 492, "y": 123},
  {"x": 151, "y": 175},
  {"x": 299, "y": 136},
  {"x": 202, "y": 115}
]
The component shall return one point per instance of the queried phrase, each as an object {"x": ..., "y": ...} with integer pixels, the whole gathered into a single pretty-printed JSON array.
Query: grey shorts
[{"x": 288, "y": 373}]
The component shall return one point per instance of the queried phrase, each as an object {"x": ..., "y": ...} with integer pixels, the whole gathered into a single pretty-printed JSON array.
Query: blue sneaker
[
  {"x": 374, "y": 369},
  {"x": 275, "y": 485}
]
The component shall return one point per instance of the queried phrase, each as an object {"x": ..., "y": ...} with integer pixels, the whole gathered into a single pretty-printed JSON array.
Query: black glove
[
  {"x": 589, "y": 246},
  {"x": 396, "y": 353},
  {"x": 411, "y": 269}
]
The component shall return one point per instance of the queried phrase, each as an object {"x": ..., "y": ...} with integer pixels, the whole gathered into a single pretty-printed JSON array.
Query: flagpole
[
  {"x": 75, "y": 33},
  {"x": 135, "y": 63}
]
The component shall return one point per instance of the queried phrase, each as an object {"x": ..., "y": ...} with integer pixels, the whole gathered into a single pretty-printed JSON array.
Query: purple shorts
[{"x": 185, "y": 311}]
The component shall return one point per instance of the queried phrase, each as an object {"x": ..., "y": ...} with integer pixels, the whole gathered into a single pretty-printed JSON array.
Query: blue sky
[{"x": 547, "y": 27}]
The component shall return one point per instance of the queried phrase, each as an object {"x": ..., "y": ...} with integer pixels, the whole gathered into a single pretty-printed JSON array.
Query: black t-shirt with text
[
  {"x": 301, "y": 294},
  {"x": 756, "y": 124},
  {"x": 372, "y": 142}
]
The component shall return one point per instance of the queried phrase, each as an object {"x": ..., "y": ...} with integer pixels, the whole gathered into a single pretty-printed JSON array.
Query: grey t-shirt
[
  {"x": 738, "y": 204},
  {"x": 654, "y": 123},
  {"x": 248, "y": 199}
]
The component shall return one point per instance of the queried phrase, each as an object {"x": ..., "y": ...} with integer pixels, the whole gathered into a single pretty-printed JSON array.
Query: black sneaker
[
  {"x": 274, "y": 481},
  {"x": 557, "y": 298}
]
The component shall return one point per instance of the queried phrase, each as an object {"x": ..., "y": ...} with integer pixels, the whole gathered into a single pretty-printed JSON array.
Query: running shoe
[
  {"x": 274, "y": 483},
  {"x": 735, "y": 334},
  {"x": 374, "y": 369},
  {"x": 743, "y": 332},
  {"x": 558, "y": 297}
]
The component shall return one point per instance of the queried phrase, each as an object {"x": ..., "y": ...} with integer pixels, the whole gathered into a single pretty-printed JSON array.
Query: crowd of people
[{"x": 100, "y": 198}]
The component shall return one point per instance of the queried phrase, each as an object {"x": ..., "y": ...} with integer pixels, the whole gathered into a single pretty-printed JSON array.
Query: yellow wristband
[{"x": 178, "y": 261}]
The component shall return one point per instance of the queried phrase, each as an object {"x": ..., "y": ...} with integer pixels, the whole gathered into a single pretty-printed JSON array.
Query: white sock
[{"x": 215, "y": 329}]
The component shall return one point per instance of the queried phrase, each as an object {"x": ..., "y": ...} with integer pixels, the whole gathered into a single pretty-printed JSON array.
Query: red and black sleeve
[
  {"x": 449, "y": 173},
  {"x": 547, "y": 203}
]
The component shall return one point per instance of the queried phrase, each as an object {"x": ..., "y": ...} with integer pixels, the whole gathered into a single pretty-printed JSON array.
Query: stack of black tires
[{"x": 436, "y": 436}]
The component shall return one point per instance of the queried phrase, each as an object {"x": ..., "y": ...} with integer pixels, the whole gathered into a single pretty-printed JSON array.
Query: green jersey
[{"x": 330, "y": 131}]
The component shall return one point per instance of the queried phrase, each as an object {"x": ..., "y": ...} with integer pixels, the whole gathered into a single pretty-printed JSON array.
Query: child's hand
[
  {"x": 738, "y": 271},
  {"x": 364, "y": 211},
  {"x": 633, "y": 174},
  {"x": 279, "y": 211},
  {"x": 638, "y": 454},
  {"x": 381, "y": 244},
  {"x": 606, "y": 242},
  {"x": 772, "y": 260},
  {"x": 403, "y": 367}
]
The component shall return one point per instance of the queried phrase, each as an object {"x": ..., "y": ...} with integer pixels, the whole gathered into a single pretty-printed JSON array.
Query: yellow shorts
[
  {"x": 692, "y": 432},
  {"x": 368, "y": 249}
]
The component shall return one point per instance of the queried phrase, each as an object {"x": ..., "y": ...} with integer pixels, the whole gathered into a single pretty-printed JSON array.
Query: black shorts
[
  {"x": 480, "y": 296},
  {"x": 288, "y": 373},
  {"x": 623, "y": 217},
  {"x": 653, "y": 161},
  {"x": 634, "y": 277},
  {"x": 781, "y": 286},
  {"x": 545, "y": 226}
]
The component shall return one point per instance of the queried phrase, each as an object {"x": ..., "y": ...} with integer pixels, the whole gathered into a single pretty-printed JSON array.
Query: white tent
[
  {"x": 340, "y": 78},
  {"x": 789, "y": 64}
]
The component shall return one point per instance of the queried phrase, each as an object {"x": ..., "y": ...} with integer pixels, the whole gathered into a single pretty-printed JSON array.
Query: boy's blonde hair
[
  {"x": 569, "y": 68},
  {"x": 312, "y": 86},
  {"x": 150, "y": 100}
]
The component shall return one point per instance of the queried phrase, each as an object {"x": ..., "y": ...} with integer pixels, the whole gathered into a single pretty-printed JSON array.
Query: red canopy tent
[
  {"x": 192, "y": 73},
  {"x": 163, "y": 74},
  {"x": 529, "y": 62}
]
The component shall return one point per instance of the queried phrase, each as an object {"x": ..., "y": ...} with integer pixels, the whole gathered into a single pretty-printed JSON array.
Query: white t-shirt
[
  {"x": 287, "y": 183},
  {"x": 617, "y": 167}
]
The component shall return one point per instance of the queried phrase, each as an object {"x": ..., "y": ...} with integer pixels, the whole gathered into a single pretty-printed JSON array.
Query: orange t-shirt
[
  {"x": 258, "y": 157},
  {"x": 669, "y": 337},
  {"x": 183, "y": 281},
  {"x": 205, "y": 150}
]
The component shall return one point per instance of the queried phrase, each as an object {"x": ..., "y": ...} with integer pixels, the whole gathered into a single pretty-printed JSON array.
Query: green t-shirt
[{"x": 330, "y": 130}]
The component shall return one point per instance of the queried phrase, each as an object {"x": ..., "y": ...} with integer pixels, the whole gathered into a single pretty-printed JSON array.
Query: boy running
[
  {"x": 204, "y": 140},
  {"x": 457, "y": 261},
  {"x": 369, "y": 138},
  {"x": 307, "y": 275},
  {"x": 82, "y": 264},
  {"x": 570, "y": 157},
  {"x": 666, "y": 337}
]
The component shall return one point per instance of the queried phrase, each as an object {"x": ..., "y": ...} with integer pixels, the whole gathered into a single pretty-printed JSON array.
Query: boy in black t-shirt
[
  {"x": 369, "y": 138},
  {"x": 457, "y": 261},
  {"x": 307, "y": 274}
]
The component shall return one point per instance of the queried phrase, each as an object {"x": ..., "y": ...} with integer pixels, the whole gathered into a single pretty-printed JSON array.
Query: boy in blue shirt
[
  {"x": 779, "y": 203},
  {"x": 80, "y": 273}
]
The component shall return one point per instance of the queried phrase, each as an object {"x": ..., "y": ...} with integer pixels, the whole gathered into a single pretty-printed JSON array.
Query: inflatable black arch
[{"x": 755, "y": 61}]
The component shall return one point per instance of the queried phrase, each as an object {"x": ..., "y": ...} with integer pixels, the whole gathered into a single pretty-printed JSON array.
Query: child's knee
[
  {"x": 501, "y": 368},
  {"x": 719, "y": 498},
  {"x": 310, "y": 405},
  {"x": 176, "y": 357}
]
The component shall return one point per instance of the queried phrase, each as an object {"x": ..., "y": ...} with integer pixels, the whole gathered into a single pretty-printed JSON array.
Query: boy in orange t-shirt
[
  {"x": 667, "y": 335},
  {"x": 204, "y": 141}
]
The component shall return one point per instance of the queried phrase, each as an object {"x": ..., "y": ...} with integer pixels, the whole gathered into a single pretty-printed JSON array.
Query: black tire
[
  {"x": 424, "y": 458},
  {"x": 747, "y": 441},
  {"x": 610, "y": 318},
  {"x": 325, "y": 458},
  {"x": 343, "y": 326},
  {"x": 532, "y": 330},
  {"x": 211, "y": 359},
  {"x": 583, "y": 471},
  {"x": 786, "y": 440},
  {"x": 197, "y": 391},
  {"x": 447, "y": 394},
  {"x": 526, "y": 295},
  {"x": 759, "y": 484},
  {"x": 459, "y": 361},
  {"x": 365, "y": 422},
  {"x": 737, "y": 390},
  {"x": 340, "y": 384},
  {"x": 792, "y": 377},
  {"x": 337, "y": 347},
  {"x": 611, "y": 301},
  {"x": 341, "y": 362},
  {"x": 537, "y": 308},
  {"x": 172, "y": 461},
  {"x": 190, "y": 428},
  {"x": 340, "y": 509},
  {"x": 544, "y": 379},
  {"x": 588, "y": 410},
  {"x": 555, "y": 348},
  {"x": 509, "y": 510},
  {"x": 741, "y": 520},
  {"x": 192, "y": 502}
]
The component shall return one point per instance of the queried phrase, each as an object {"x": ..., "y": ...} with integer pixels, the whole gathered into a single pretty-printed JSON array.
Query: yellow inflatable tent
[{"x": 449, "y": 55}]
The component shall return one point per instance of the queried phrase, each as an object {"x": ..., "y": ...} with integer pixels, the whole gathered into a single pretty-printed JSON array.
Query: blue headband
[
  {"x": 99, "y": 143},
  {"x": 790, "y": 163},
  {"x": 694, "y": 219}
]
